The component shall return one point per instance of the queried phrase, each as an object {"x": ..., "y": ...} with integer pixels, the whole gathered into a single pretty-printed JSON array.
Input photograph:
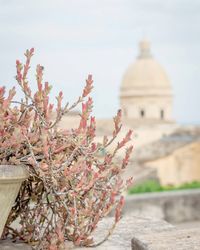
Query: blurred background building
[
  {"x": 146, "y": 92},
  {"x": 161, "y": 145}
]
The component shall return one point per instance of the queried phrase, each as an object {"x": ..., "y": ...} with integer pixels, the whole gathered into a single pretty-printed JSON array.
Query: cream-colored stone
[
  {"x": 146, "y": 92},
  {"x": 181, "y": 166},
  {"x": 11, "y": 178}
]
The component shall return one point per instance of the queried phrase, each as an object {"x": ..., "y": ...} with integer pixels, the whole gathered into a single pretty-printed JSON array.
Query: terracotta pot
[{"x": 11, "y": 178}]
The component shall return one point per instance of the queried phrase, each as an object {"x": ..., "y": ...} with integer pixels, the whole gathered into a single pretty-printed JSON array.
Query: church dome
[
  {"x": 146, "y": 72},
  {"x": 146, "y": 92}
]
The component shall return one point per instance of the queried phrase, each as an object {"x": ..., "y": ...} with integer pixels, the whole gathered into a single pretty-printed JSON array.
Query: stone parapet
[
  {"x": 135, "y": 233},
  {"x": 173, "y": 206},
  {"x": 175, "y": 239}
]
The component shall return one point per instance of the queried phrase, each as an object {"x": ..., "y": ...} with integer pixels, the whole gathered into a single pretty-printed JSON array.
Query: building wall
[
  {"x": 144, "y": 107},
  {"x": 182, "y": 166}
]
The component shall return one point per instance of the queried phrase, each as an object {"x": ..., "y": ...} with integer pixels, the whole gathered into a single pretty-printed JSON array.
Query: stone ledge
[
  {"x": 8, "y": 245},
  {"x": 137, "y": 233},
  {"x": 188, "y": 239},
  {"x": 173, "y": 206},
  {"x": 128, "y": 227}
]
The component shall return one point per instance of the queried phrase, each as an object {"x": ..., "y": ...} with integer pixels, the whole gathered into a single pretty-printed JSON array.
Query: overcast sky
[{"x": 75, "y": 37}]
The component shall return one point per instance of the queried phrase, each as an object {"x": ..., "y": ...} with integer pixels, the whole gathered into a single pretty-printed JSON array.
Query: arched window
[
  {"x": 142, "y": 113},
  {"x": 162, "y": 114}
]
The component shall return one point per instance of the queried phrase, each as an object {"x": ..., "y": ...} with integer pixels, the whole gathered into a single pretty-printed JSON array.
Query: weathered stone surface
[
  {"x": 8, "y": 245},
  {"x": 174, "y": 207},
  {"x": 136, "y": 233},
  {"x": 173, "y": 239},
  {"x": 128, "y": 227}
]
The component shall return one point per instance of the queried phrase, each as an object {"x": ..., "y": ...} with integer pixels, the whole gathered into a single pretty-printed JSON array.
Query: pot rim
[{"x": 13, "y": 173}]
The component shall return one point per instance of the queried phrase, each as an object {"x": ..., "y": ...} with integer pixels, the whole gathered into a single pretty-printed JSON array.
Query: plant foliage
[{"x": 70, "y": 189}]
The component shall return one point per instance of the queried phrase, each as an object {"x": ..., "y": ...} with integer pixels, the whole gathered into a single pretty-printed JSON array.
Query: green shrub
[{"x": 154, "y": 186}]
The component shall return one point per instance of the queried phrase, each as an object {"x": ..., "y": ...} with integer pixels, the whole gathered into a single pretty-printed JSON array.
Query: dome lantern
[{"x": 145, "y": 52}]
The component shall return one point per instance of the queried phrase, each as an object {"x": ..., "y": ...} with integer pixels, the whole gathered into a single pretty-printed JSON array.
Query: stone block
[
  {"x": 8, "y": 245},
  {"x": 174, "y": 239}
]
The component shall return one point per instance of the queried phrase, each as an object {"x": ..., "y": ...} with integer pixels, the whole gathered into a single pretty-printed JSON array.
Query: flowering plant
[{"x": 70, "y": 189}]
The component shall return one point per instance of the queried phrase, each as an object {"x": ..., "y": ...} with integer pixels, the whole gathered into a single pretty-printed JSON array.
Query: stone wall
[
  {"x": 181, "y": 166},
  {"x": 135, "y": 233},
  {"x": 174, "y": 206}
]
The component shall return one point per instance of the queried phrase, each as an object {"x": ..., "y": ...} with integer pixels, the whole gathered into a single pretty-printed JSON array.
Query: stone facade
[
  {"x": 146, "y": 92},
  {"x": 181, "y": 166},
  {"x": 173, "y": 159}
]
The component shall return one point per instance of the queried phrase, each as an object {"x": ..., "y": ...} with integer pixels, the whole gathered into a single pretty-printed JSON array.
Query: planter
[{"x": 11, "y": 178}]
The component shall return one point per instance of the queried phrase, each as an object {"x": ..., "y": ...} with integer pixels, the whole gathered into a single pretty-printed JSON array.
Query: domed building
[{"x": 146, "y": 92}]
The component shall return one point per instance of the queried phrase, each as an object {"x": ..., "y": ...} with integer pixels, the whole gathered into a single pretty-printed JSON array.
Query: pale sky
[{"x": 75, "y": 37}]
